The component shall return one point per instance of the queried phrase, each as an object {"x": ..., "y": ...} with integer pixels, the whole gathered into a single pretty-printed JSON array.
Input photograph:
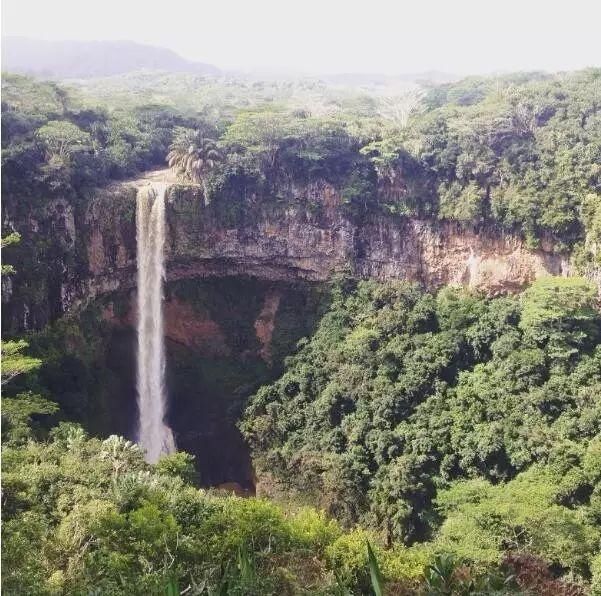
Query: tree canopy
[{"x": 402, "y": 401}]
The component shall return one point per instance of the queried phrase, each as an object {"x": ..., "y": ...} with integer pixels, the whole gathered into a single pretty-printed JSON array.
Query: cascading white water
[{"x": 154, "y": 436}]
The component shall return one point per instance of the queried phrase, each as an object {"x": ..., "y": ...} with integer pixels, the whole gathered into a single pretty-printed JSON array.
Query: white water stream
[{"x": 154, "y": 436}]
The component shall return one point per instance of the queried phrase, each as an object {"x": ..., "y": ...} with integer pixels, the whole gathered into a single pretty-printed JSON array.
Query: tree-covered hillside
[
  {"x": 416, "y": 442},
  {"x": 470, "y": 422},
  {"x": 456, "y": 435},
  {"x": 520, "y": 152}
]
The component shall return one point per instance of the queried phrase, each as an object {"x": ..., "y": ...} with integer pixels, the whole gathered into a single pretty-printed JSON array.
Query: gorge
[
  {"x": 239, "y": 293},
  {"x": 327, "y": 345}
]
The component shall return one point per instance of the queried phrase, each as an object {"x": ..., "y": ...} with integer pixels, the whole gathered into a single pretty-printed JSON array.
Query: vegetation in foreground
[
  {"x": 454, "y": 438},
  {"x": 467, "y": 423},
  {"x": 84, "y": 516}
]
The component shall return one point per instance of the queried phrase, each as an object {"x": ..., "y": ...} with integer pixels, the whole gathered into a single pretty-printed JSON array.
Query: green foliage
[
  {"x": 377, "y": 581},
  {"x": 483, "y": 521},
  {"x": 446, "y": 576},
  {"x": 83, "y": 515},
  {"x": 13, "y": 238},
  {"x": 596, "y": 571},
  {"x": 18, "y": 413},
  {"x": 399, "y": 394},
  {"x": 521, "y": 151},
  {"x": 273, "y": 150},
  {"x": 561, "y": 313},
  {"x": 462, "y": 204},
  {"x": 14, "y": 362},
  {"x": 177, "y": 465},
  {"x": 591, "y": 212},
  {"x": 193, "y": 156},
  {"x": 61, "y": 139},
  {"x": 51, "y": 144}
]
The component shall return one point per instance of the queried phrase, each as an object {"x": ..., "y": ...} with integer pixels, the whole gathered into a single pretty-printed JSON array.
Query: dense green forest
[
  {"x": 418, "y": 442},
  {"x": 459, "y": 435},
  {"x": 519, "y": 152},
  {"x": 469, "y": 421}
]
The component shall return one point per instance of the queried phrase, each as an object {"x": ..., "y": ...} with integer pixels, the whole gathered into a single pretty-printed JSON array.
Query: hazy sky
[{"x": 387, "y": 36}]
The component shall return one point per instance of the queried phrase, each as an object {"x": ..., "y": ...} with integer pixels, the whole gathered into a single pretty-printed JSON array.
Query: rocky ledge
[{"x": 297, "y": 241}]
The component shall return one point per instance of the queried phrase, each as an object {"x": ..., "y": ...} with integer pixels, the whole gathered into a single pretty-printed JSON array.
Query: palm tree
[{"x": 192, "y": 156}]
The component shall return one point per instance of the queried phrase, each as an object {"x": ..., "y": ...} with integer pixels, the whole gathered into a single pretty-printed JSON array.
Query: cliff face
[
  {"x": 311, "y": 238},
  {"x": 299, "y": 243},
  {"x": 260, "y": 266}
]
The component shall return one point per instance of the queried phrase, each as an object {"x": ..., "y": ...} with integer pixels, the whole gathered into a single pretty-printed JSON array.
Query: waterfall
[{"x": 154, "y": 436}]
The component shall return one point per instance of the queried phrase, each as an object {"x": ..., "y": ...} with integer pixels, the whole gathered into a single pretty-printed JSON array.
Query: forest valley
[{"x": 401, "y": 437}]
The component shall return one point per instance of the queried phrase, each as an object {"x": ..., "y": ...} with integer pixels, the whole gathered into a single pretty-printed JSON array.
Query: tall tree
[{"x": 193, "y": 156}]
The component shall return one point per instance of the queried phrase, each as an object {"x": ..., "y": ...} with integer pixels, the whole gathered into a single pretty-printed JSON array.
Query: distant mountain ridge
[
  {"x": 71, "y": 59},
  {"x": 87, "y": 59}
]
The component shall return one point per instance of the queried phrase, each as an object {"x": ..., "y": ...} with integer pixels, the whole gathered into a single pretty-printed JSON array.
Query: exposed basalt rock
[
  {"x": 183, "y": 325},
  {"x": 293, "y": 242},
  {"x": 265, "y": 323},
  {"x": 307, "y": 236}
]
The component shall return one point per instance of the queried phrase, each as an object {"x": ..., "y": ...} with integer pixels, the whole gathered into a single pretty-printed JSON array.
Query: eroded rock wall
[
  {"x": 293, "y": 242},
  {"x": 310, "y": 237}
]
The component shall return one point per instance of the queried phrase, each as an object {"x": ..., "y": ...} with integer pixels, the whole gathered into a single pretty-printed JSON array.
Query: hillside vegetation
[
  {"x": 440, "y": 443},
  {"x": 520, "y": 152},
  {"x": 456, "y": 434},
  {"x": 470, "y": 422}
]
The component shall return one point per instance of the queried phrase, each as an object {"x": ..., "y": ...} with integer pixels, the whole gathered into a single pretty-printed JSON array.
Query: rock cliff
[
  {"x": 261, "y": 264},
  {"x": 309, "y": 238},
  {"x": 296, "y": 242}
]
